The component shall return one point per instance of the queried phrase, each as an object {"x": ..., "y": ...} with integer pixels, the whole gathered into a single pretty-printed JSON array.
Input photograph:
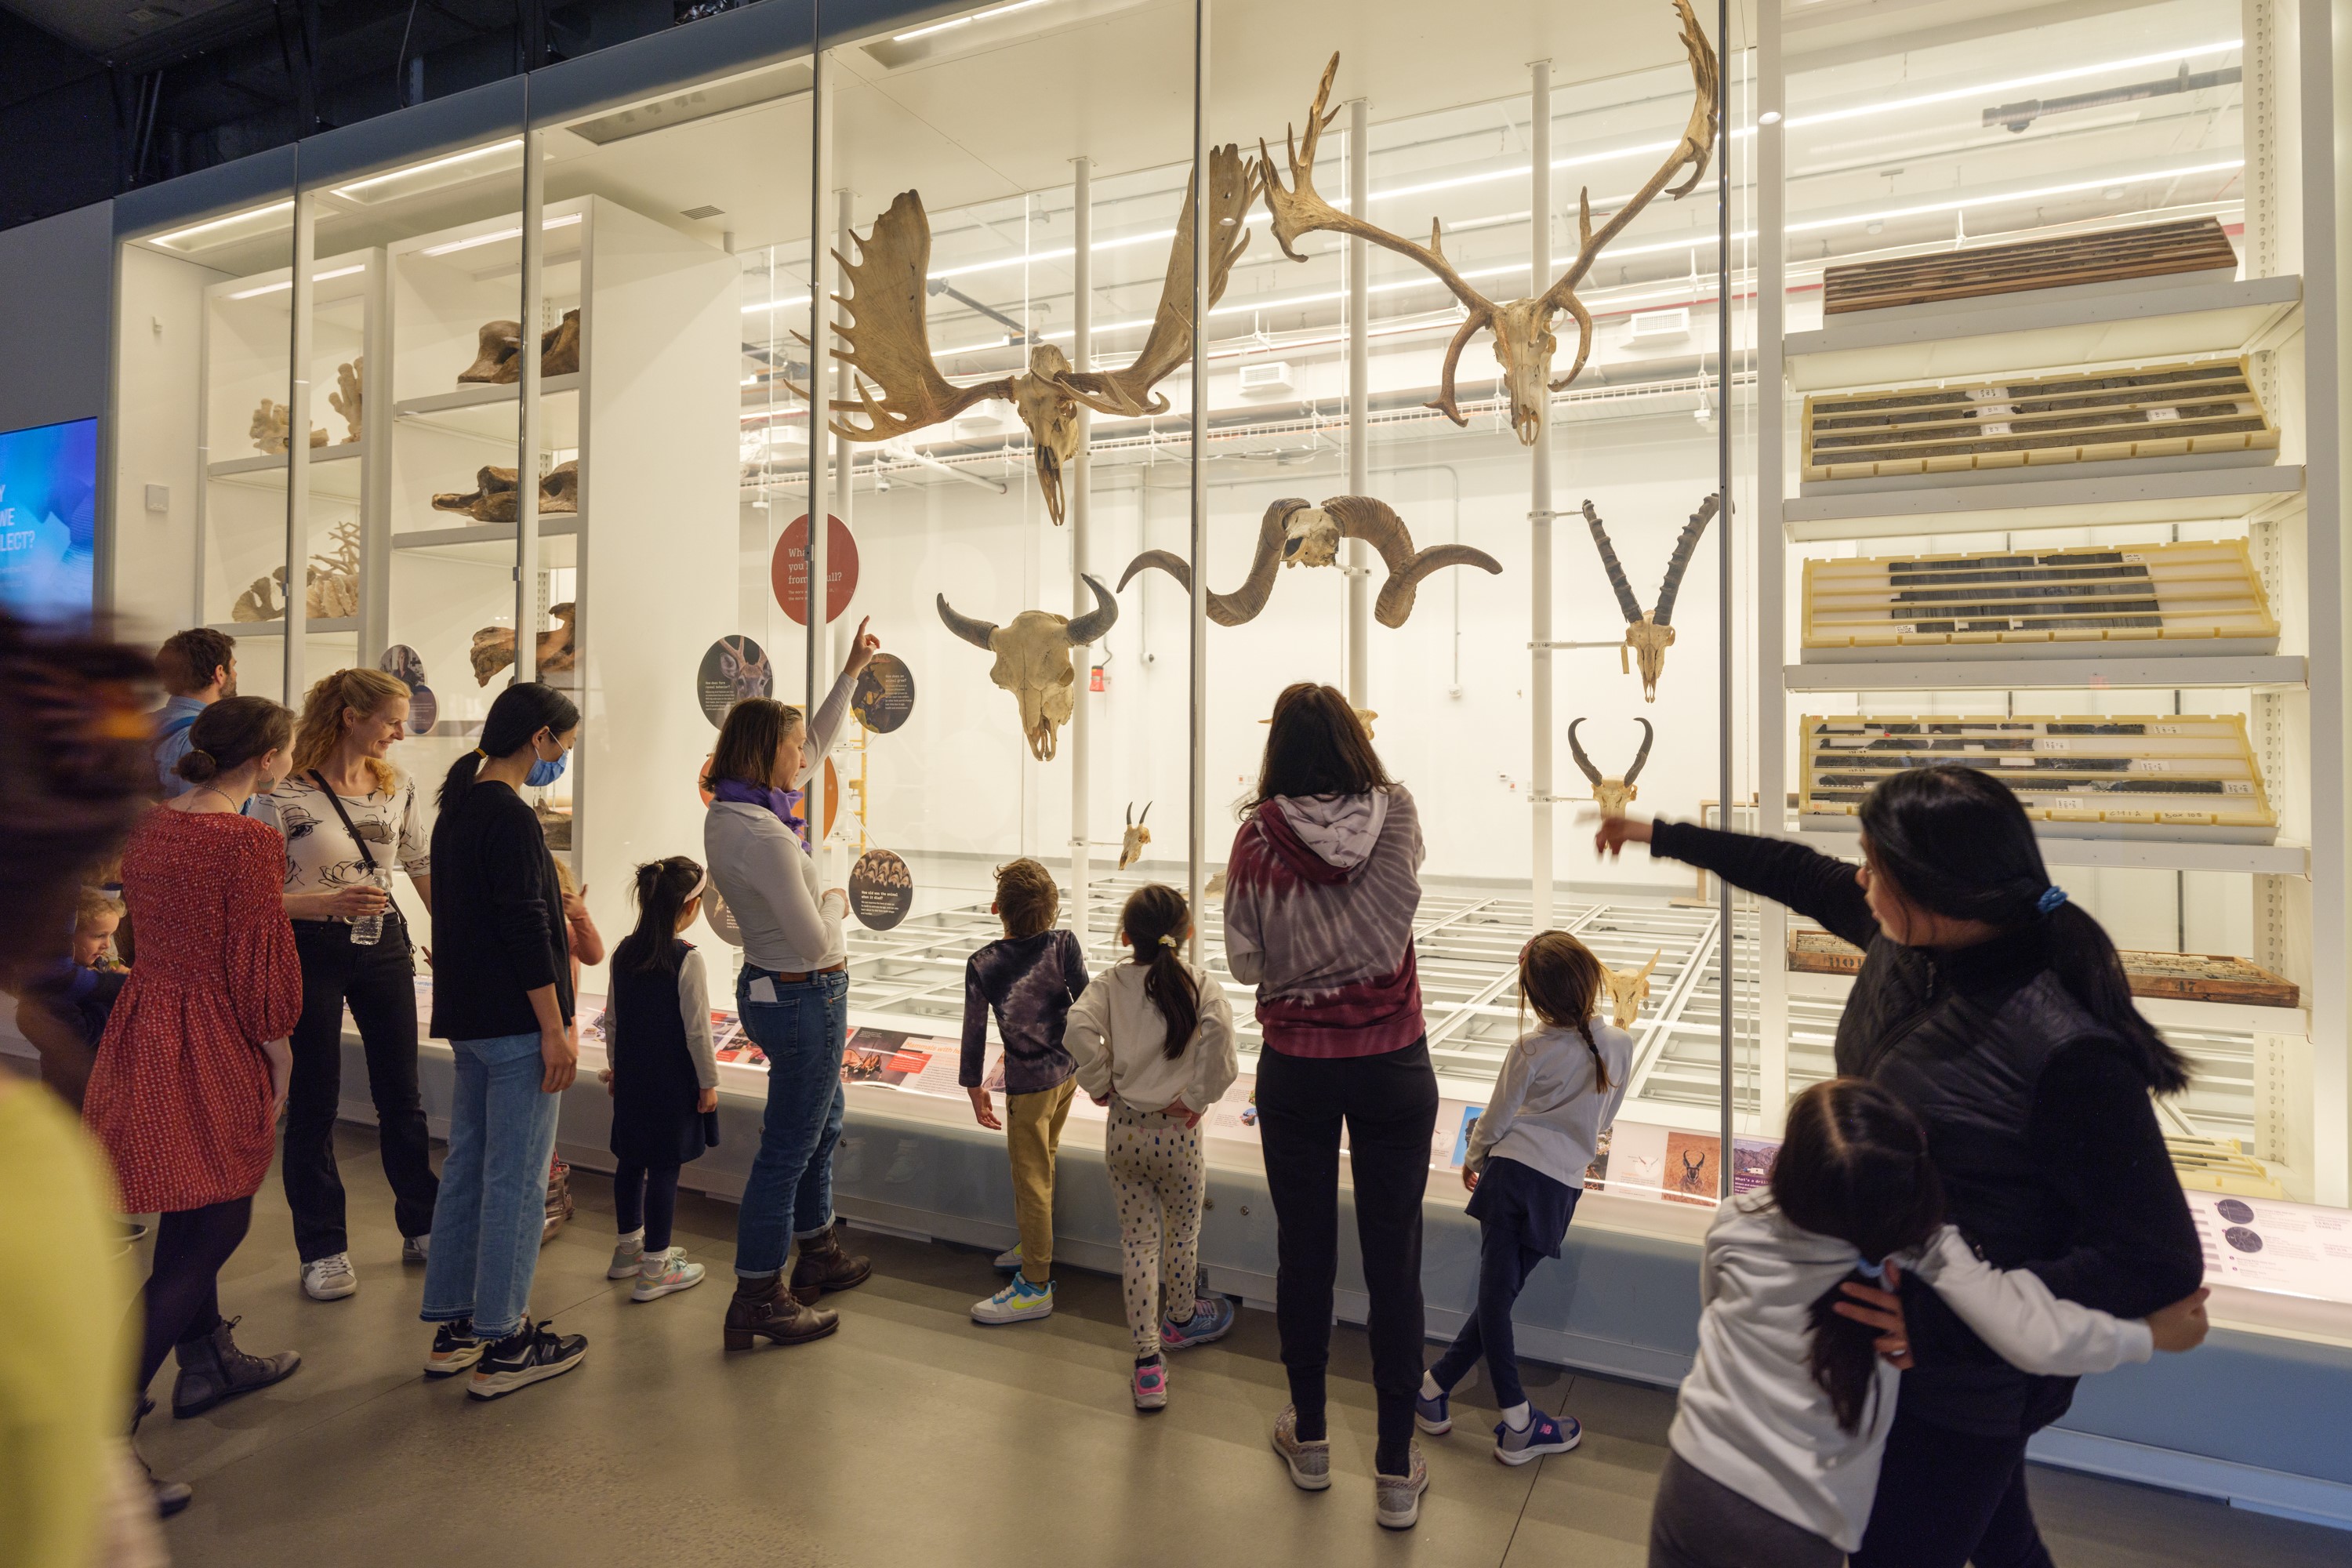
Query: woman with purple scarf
[{"x": 792, "y": 996}]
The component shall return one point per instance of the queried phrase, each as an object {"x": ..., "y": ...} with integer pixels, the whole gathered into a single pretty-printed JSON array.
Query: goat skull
[
  {"x": 1131, "y": 842},
  {"x": 1612, "y": 794},
  {"x": 1628, "y": 989},
  {"x": 1032, "y": 660}
]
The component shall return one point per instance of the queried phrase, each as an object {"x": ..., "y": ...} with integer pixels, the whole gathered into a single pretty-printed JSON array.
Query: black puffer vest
[{"x": 1962, "y": 1039}]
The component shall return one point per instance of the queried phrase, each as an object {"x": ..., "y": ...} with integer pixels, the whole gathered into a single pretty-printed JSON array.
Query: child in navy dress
[{"x": 663, "y": 1078}]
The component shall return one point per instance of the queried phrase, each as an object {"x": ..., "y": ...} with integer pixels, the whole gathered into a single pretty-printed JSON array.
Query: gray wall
[{"x": 55, "y": 296}]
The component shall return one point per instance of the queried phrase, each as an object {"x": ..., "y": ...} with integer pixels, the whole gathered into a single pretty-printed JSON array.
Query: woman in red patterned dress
[{"x": 192, "y": 1067}]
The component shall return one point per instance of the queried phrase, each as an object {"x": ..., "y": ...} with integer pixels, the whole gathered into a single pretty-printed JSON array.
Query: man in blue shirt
[{"x": 198, "y": 667}]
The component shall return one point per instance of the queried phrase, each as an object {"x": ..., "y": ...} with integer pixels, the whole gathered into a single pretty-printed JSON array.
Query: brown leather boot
[
  {"x": 763, "y": 1307},
  {"x": 824, "y": 1266}
]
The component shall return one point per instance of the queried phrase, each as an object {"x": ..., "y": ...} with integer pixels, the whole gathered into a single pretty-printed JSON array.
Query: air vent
[
  {"x": 699, "y": 213},
  {"x": 1660, "y": 326},
  {"x": 1266, "y": 377}
]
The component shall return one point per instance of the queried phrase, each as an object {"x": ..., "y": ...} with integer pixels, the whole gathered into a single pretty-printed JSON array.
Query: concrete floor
[{"x": 911, "y": 1436}]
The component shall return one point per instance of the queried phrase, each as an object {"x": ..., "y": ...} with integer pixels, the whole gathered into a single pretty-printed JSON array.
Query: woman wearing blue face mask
[{"x": 502, "y": 998}]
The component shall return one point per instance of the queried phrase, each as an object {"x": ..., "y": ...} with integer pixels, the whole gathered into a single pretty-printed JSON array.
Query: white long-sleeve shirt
[
  {"x": 1750, "y": 1415},
  {"x": 768, "y": 881},
  {"x": 1118, "y": 1040},
  {"x": 1547, "y": 1110}
]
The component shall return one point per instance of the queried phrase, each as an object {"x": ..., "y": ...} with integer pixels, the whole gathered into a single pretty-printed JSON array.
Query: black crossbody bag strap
[{"x": 391, "y": 910}]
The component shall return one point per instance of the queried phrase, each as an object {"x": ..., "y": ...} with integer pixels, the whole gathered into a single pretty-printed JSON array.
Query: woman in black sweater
[{"x": 2001, "y": 1014}]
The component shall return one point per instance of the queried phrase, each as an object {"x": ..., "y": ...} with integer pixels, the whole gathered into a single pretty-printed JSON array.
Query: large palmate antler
[
  {"x": 1524, "y": 344},
  {"x": 1649, "y": 633},
  {"x": 888, "y": 340}
]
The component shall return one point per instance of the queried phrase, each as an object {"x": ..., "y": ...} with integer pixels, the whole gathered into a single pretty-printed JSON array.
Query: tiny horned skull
[
  {"x": 1628, "y": 989},
  {"x": 1131, "y": 842},
  {"x": 1649, "y": 633},
  {"x": 1612, "y": 794}
]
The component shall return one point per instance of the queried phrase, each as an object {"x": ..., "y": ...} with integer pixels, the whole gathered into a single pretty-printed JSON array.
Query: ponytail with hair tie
[{"x": 1154, "y": 920}]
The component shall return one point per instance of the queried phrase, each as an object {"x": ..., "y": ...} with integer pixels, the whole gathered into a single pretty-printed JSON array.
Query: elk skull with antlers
[
  {"x": 1612, "y": 795},
  {"x": 1131, "y": 842},
  {"x": 1628, "y": 989},
  {"x": 1649, "y": 633},
  {"x": 1032, "y": 660},
  {"x": 1524, "y": 344},
  {"x": 888, "y": 340}
]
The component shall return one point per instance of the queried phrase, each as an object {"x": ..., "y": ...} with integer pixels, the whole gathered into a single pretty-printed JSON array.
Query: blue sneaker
[
  {"x": 1212, "y": 1318},
  {"x": 1542, "y": 1436},
  {"x": 1017, "y": 1303},
  {"x": 1432, "y": 1414}
]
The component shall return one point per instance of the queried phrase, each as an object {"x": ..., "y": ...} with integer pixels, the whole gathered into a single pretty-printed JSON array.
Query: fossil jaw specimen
[
  {"x": 497, "y": 351},
  {"x": 493, "y": 496},
  {"x": 494, "y": 646}
]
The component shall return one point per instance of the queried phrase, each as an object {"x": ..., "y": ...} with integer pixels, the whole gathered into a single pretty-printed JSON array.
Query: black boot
[
  {"x": 171, "y": 1497},
  {"x": 213, "y": 1369},
  {"x": 823, "y": 1266}
]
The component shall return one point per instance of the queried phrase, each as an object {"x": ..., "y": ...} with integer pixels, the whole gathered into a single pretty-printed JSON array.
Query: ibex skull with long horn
[
  {"x": 1614, "y": 796},
  {"x": 1649, "y": 633},
  {"x": 1032, "y": 660},
  {"x": 1628, "y": 989},
  {"x": 1131, "y": 841},
  {"x": 1295, "y": 533},
  {"x": 1524, "y": 344}
]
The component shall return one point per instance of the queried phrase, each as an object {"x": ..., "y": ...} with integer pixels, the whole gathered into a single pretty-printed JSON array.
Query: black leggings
[
  {"x": 645, "y": 1195},
  {"x": 1948, "y": 1497},
  {"x": 181, "y": 1302},
  {"x": 1504, "y": 1265}
]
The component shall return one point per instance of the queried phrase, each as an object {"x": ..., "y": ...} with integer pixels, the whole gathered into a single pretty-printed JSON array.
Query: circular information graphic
[
  {"x": 885, "y": 694},
  {"x": 788, "y": 568},
  {"x": 404, "y": 664},
  {"x": 424, "y": 709},
  {"x": 880, "y": 889},
  {"x": 721, "y": 918},
  {"x": 732, "y": 669}
]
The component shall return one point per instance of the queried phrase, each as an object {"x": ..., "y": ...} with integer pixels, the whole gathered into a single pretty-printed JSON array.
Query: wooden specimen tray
[
  {"x": 2099, "y": 776},
  {"x": 2180, "y": 976},
  {"x": 2153, "y": 251},
  {"x": 2148, "y": 411},
  {"x": 2189, "y": 596},
  {"x": 2220, "y": 1165}
]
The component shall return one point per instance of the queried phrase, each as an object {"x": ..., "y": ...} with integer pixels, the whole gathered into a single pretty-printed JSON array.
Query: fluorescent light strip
[
  {"x": 246, "y": 216},
  {"x": 1987, "y": 89},
  {"x": 289, "y": 282},
  {"x": 514, "y": 232},
  {"x": 415, "y": 168},
  {"x": 954, "y": 23},
  {"x": 2064, "y": 190}
]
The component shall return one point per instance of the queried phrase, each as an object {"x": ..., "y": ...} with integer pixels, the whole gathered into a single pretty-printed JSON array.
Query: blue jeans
[
  {"x": 487, "y": 1221},
  {"x": 802, "y": 1032}
]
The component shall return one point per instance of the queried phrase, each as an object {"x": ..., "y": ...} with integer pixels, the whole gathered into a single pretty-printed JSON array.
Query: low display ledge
[
  {"x": 2042, "y": 499},
  {"x": 2065, "y": 666},
  {"x": 2282, "y": 858}
]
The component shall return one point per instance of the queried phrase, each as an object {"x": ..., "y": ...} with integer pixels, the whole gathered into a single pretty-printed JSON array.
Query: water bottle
[{"x": 368, "y": 929}]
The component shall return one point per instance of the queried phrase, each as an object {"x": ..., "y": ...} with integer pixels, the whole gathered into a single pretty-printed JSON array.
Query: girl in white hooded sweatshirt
[{"x": 1783, "y": 1419}]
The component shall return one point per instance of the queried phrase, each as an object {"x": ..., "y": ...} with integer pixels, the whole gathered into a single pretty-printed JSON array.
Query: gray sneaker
[
  {"x": 1310, "y": 1463},
  {"x": 329, "y": 1279},
  {"x": 1398, "y": 1498},
  {"x": 416, "y": 1249}
]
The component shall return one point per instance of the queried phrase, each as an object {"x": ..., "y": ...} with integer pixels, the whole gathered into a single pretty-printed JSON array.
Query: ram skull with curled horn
[
  {"x": 1524, "y": 344},
  {"x": 1032, "y": 660},
  {"x": 1612, "y": 795},
  {"x": 1649, "y": 633},
  {"x": 1296, "y": 533},
  {"x": 888, "y": 342}
]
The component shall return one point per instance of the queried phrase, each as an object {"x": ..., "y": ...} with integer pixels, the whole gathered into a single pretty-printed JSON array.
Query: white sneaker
[
  {"x": 626, "y": 1258},
  {"x": 1018, "y": 1302},
  {"x": 665, "y": 1273},
  {"x": 329, "y": 1279},
  {"x": 1009, "y": 1260}
]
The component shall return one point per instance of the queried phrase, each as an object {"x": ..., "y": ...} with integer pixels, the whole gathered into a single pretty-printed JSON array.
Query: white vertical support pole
[
  {"x": 844, "y": 455},
  {"x": 1360, "y": 404},
  {"x": 2327, "y": 430},
  {"x": 821, "y": 315},
  {"x": 528, "y": 426},
  {"x": 375, "y": 490},
  {"x": 1539, "y": 513},
  {"x": 1771, "y": 551},
  {"x": 1197, "y": 620},
  {"x": 1726, "y": 992},
  {"x": 1081, "y": 509},
  {"x": 297, "y": 442}
]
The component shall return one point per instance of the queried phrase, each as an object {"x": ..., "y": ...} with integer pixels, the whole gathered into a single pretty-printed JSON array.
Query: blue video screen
[{"x": 48, "y": 520}]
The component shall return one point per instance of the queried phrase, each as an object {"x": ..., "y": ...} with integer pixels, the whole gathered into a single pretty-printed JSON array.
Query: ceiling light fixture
[
  {"x": 497, "y": 235},
  {"x": 285, "y": 283},
  {"x": 417, "y": 174},
  {"x": 250, "y": 219},
  {"x": 955, "y": 22}
]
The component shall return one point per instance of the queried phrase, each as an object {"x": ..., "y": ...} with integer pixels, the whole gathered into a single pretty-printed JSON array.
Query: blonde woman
[{"x": 351, "y": 818}]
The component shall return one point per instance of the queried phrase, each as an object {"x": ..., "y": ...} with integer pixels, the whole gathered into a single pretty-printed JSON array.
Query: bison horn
[
  {"x": 1583, "y": 762},
  {"x": 1088, "y": 627},
  {"x": 976, "y": 633},
  {"x": 1643, "y": 755}
]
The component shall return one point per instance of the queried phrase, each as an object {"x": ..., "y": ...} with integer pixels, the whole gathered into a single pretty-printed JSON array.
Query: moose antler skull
[
  {"x": 1628, "y": 989},
  {"x": 1612, "y": 794},
  {"x": 1649, "y": 633},
  {"x": 1524, "y": 344},
  {"x": 1131, "y": 842},
  {"x": 1032, "y": 660}
]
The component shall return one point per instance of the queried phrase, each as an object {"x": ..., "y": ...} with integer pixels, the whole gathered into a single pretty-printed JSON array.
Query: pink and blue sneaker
[
  {"x": 1152, "y": 1385},
  {"x": 1212, "y": 1318},
  {"x": 1541, "y": 1436}
]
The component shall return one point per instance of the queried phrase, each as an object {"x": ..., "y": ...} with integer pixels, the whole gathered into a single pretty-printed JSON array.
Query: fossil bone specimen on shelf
[
  {"x": 1628, "y": 989},
  {"x": 493, "y": 496},
  {"x": 888, "y": 346},
  {"x": 1032, "y": 660},
  {"x": 270, "y": 429},
  {"x": 494, "y": 646},
  {"x": 497, "y": 351},
  {"x": 1649, "y": 633},
  {"x": 1135, "y": 835},
  {"x": 1612, "y": 794},
  {"x": 1524, "y": 344},
  {"x": 331, "y": 589},
  {"x": 1295, "y": 533},
  {"x": 345, "y": 398}
]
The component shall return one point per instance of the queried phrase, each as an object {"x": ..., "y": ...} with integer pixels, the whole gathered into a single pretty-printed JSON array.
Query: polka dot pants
[{"x": 1156, "y": 1175}]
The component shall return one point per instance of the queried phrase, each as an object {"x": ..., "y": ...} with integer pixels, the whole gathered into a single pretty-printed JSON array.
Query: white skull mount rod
[
  {"x": 1649, "y": 633},
  {"x": 1032, "y": 660},
  {"x": 1612, "y": 794}
]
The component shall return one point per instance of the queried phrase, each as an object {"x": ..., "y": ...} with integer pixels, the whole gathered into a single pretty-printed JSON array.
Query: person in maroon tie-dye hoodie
[{"x": 1321, "y": 894}]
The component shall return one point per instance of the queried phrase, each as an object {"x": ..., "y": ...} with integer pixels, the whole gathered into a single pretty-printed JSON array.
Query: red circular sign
[{"x": 788, "y": 569}]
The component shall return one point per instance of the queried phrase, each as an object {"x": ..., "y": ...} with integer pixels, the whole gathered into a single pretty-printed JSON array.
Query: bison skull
[
  {"x": 1628, "y": 989},
  {"x": 1032, "y": 660}
]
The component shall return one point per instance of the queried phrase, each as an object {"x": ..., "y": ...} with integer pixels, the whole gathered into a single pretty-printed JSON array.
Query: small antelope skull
[
  {"x": 1614, "y": 796},
  {"x": 1032, "y": 660},
  {"x": 1628, "y": 989},
  {"x": 1131, "y": 842}
]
